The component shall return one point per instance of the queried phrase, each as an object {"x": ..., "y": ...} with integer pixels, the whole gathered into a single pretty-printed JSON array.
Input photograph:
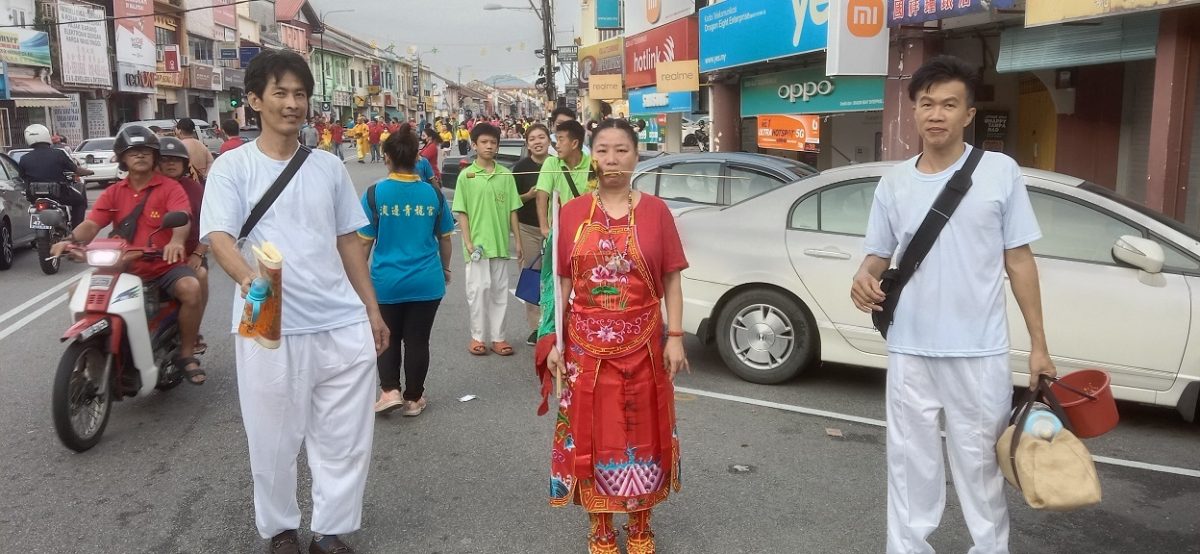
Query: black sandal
[
  {"x": 200, "y": 347},
  {"x": 191, "y": 374}
]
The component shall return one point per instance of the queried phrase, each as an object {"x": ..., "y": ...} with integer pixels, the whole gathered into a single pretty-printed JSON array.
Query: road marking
[
  {"x": 881, "y": 423},
  {"x": 31, "y": 317},
  {"x": 44, "y": 295}
]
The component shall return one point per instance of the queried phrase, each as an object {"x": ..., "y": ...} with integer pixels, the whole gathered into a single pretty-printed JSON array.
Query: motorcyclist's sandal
[
  {"x": 191, "y": 374},
  {"x": 201, "y": 346}
]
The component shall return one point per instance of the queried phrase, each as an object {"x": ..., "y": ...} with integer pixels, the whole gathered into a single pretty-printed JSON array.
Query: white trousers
[
  {"x": 487, "y": 297},
  {"x": 318, "y": 390},
  {"x": 975, "y": 394}
]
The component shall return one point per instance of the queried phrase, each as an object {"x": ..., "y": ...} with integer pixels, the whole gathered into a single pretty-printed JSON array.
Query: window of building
[
  {"x": 164, "y": 36},
  {"x": 201, "y": 49},
  {"x": 17, "y": 16}
]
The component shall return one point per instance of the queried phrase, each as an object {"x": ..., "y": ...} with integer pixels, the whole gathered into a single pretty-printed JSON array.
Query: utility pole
[{"x": 548, "y": 40}]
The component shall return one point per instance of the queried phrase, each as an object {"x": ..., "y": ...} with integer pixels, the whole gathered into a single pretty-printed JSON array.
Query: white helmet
[{"x": 37, "y": 133}]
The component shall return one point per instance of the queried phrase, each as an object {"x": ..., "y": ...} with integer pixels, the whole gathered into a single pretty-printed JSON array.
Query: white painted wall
[{"x": 853, "y": 137}]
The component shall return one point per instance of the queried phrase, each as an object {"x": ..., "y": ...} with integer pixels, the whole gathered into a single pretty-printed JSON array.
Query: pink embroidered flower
[
  {"x": 631, "y": 503},
  {"x": 565, "y": 400},
  {"x": 619, "y": 263},
  {"x": 607, "y": 334},
  {"x": 601, "y": 274},
  {"x": 572, "y": 371},
  {"x": 606, "y": 244}
]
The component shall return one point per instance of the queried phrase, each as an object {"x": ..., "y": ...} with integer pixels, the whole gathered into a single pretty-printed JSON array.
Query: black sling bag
[
  {"x": 893, "y": 280},
  {"x": 273, "y": 193},
  {"x": 128, "y": 226}
]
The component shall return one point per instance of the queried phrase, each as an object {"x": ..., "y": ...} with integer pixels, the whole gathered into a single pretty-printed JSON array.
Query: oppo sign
[{"x": 805, "y": 90}]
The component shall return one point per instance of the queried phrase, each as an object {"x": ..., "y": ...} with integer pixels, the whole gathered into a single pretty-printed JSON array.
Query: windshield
[
  {"x": 513, "y": 150},
  {"x": 96, "y": 145},
  {"x": 1142, "y": 209}
]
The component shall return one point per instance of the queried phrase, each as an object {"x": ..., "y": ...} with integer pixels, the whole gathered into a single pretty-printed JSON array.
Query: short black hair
[
  {"x": 186, "y": 125},
  {"x": 230, "y": 127},
  {"x": 563, "y": 111},
  {"x": 619, "y": 124},
  {"x": 482, "y": 129},
  {"x": 573, "y": 129},
  {"x": 943, "y": 69},
  {"x": 277, "y": 63},
  {"x": 402, "y": 148}
]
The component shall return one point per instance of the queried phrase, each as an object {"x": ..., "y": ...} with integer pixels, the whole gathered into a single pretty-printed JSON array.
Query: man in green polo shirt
[
  {"x": 486, "y": 204},
  {"x": 566, "y": 173}
]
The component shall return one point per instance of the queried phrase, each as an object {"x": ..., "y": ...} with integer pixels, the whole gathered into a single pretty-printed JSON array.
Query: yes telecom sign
[
  {"x": 905, "y": 12},
  {"x": 809, "y": 91},
  {"x": 739, "y": 32}
]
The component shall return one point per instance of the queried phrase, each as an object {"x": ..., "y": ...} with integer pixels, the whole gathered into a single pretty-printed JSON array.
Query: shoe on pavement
[
  {"x": 383, "y": 407},
  {"x": 532, "y": 340},
  {"x": 336, "y": 547},
  {"x": 284, "y": 543},
  {"x": 413, "y": 408}
]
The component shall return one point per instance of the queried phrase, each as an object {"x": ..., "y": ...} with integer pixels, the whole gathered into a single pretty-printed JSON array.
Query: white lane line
[
  {"x": 32, "y": 317},
  {"x": 44, "y": 295},
  {"x": 880, "y": 423}
]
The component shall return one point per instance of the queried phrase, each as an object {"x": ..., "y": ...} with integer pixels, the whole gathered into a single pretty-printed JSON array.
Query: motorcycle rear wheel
[
  {"x": 82, "y": 398},
  {"x": 49, "y": 265}
]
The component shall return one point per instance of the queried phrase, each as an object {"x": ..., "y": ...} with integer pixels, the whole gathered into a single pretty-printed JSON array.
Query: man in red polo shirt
[
  {"x": 375, "y": 131},
  {"x": 137, "y": 149}
]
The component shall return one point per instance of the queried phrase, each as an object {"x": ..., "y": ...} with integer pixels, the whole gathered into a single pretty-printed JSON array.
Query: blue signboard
[
  {"x": 809, "y": 91},
  {"x": 608, "y": 14},
  {"x": 738, "y": 32},
  {"x": 905, "y": 12},
  {"x": 229, "y": 54},
  {"x": 247, "y": 53},
  {"x": 645, "y": 101}
]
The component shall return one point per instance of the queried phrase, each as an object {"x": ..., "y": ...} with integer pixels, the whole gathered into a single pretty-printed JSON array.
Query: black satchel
[
  {"x": 281, "y": 182},
  {"x": 893, "y": 280},
  {"x": 127, "y": 227}
]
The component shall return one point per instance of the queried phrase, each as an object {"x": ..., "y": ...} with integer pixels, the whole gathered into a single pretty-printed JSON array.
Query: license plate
[{"x": 35, "y": 222}]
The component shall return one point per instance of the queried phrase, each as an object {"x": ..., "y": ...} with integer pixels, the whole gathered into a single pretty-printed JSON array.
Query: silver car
[
  {"x": 769, "y": 284},
  {"x": 14, "y": 212}
]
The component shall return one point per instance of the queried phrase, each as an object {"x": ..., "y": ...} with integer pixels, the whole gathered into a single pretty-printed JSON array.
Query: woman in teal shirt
[{"x": 410, "y": 231}]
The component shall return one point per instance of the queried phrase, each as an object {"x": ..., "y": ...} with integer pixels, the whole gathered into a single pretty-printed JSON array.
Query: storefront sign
[
  {"x": 1059, "y": 11},
  {"x": 204, "y": 78},
  {"x": 798, "y": 133},
  {"x": 227, "y": 53},
  {"x": 170, "y": 63},
  {"x": 133, "y": 25},
  {"x": 643, "y": 15},
  {"x": 97, "y": 118},
  {"x": 738, "y": 32},
  {"x": 25, "y": 47},
  {"x": 171, "y": 79},
  {"x": 649, "y": 100},
  {"x": 602, "y": 58},
  {"x": 83, "y": 47},
  {"x": 807, "y": 91},
  {"x": 608, "y": 14},
  {"x": 677, "y": 76},
  {"x": 341, "y": 98},
  {"x": 991, "y": 128},
  {"x": 858, "y": 39},
  {"x": 68, "y": 120},
  {"x": 605, "y": 87},
  {"x": 247, "y": 53},
  {"x": 232, "y": 78},
  {"x": 907, "y": 12},
  {"x": 674, "y": 41}
]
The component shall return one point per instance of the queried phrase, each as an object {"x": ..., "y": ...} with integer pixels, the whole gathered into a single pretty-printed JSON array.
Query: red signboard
[
  {"x": 225, "y": 13},
  {"x": 171, "y": 58},
  {"x": 675, "y": 41}
]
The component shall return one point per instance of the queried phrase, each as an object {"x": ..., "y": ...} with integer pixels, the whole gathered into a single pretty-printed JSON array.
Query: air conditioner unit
[{"x": 158, "y": 55}]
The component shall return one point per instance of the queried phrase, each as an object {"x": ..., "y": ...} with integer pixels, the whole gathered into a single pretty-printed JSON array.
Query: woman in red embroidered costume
[{"x": 615, "y": 446}]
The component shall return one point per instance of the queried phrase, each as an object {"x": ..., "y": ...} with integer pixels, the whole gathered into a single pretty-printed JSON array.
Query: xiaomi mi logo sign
[{"x": 864, "y": 18}]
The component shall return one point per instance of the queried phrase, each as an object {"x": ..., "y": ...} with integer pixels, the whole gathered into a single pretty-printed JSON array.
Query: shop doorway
[{"x": 1037, "y": 125}]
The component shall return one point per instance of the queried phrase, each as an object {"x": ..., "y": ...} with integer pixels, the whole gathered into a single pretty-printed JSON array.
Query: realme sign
[
  {"x": 677, "y": 76},
  {"x": 605, "y": 87}
]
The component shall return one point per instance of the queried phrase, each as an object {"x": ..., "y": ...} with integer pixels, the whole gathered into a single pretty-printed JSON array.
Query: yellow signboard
[
  {"x": 680, "y": 76},
  {"x": 605, "y": 87},
  {"x": 1047, "y": 12}
]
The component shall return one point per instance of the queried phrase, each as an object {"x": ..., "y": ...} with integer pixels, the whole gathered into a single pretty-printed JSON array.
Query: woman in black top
[{"x": 537, "y": 139}]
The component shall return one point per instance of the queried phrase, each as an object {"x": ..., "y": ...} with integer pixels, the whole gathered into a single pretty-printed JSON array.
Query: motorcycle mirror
[{"x": 175, "y": 219}]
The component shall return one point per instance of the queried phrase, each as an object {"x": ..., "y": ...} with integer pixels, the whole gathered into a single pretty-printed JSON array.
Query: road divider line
[
  {"x": 883, "y": 424},
  {"x": 31, "y": 317},
  {"x": 44, "y": 295}
]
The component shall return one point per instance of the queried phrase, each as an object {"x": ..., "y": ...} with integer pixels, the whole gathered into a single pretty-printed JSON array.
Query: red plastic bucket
[{"x": 1089, "y": 418}]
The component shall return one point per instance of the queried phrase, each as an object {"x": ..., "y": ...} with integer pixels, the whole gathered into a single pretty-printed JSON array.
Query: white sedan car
[
  {"x": 769, "y": 283},
  {"x": 97, "y": 155}
]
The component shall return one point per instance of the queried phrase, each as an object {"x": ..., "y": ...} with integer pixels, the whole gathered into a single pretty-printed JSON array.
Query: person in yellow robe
[{"x": 363, "y": 134}]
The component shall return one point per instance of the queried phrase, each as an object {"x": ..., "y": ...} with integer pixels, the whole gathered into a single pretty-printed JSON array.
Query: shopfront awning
[
  {"x": 31, "y": 92},
  {"x": 1109, "y": 40}
]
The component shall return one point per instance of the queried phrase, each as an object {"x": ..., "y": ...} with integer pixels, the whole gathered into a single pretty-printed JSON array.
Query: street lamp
[
  {"x": 546, "y": 14},
  {"x": 325, "y": 54}
]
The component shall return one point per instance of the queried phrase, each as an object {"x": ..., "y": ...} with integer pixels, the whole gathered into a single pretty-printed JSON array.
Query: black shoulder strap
[
  {"x": 128, "y": 226},
  {"x": 374, "y": 208},
  {"x": 272, "y": 193},
  {"x": 571, "y": 182},
  {"x": 943, "y": 207}
]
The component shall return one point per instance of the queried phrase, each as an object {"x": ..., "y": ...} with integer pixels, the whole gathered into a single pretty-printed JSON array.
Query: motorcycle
[
  {"x": 43, "y": 196},
  {"x": 698, "y": 138},
  {"x": 123, "y": 342}
]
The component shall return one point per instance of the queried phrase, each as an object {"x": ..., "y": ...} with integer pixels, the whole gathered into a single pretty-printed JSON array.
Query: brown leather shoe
[
  {"x": 284, "y": 543},
  {"x": 338, "y": 547}
]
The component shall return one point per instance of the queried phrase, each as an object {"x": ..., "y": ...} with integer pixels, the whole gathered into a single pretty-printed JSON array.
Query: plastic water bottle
[
  {"x": 477, "y": 254},
  {"x": 1042, "y": 422},
  {"x": 260, "y": 290}
]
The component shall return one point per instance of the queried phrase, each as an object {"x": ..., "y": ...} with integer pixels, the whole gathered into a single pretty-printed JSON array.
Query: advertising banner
[
  {"x": 908, "y": 12},
  {"x": 225, "y": 15},
  {"x": 97, "y": 118},
  {"x": 671, "y": 42},
  {"x": 204, "y": 77},
  {"x": 605, "y": 87},
  {"x": 858, "y": 39},
  {"x": 738, "y": 32},
  {"x": 170, "y": 63},
  {"x": 134, "y": 27},
  {"x": 83, "y": 47},
  {"x": 1059, "y": 11},
  {"x": 646, "y": 101},
  {"x": 809, "y": 91},
  {"x": 677, "y": 76},
  {"x": 602, "y": 58},
  {"x": 25, "y": 47},
  {"x": 608, "y": 14},
  {"x": 133, "y": 78},
  {"x": 643, "y": 15},
  {"x": 68, "y": 120},
  {"x": 798, "y": 133},
  {"x": 200, "y": 19}
]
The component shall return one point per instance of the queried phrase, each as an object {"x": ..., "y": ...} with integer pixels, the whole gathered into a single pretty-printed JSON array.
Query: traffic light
[
  {"x": 235, "y": 102},
  {"x": 541, "y": 80},
  {"x": 236, "y": 98}
]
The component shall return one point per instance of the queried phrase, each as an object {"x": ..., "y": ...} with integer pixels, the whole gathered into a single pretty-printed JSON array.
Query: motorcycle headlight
[{"x": 103, "y": 258}]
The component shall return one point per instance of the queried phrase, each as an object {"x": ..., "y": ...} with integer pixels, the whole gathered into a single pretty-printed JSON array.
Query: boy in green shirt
[
  {"x": 568, "y": 173},
  {"x": 486, "y": 204}
]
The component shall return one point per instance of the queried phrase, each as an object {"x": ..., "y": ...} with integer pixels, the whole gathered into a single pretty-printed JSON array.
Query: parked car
[
  {"x": 97, "y": 155},
  {"x": 14, "y": 212},
  {"x": 715, "y": 178},
  {"x": 204, "y": 131},
  {"x": 511, "y": 151},
  {"x": 769, "y": 284}
]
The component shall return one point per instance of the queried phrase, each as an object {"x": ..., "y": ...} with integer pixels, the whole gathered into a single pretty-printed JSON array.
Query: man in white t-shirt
[
  {"x": 948, "y": 343},
  {"x": 318, "y": 387}
]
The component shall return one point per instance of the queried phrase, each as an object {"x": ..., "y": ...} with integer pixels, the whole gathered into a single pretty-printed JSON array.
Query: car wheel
[
  {"x": 765, "y": 336},
  {"x": 6, "y": 246}
]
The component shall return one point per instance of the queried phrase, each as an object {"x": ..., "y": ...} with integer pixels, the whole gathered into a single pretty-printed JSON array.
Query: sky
[{"x": 484, "y": 43}]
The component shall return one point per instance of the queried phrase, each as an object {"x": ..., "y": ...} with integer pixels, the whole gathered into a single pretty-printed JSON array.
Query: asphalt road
[{"x": 172, "y": 475}]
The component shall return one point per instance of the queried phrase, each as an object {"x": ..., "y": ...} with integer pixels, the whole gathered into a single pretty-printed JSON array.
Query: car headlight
[
  {"x": 113, "y": 159},
  {"x": 103, "y": 258}
]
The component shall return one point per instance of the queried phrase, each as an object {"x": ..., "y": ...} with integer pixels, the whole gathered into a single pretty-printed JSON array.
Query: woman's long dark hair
[{"x": 402, "y": 148}]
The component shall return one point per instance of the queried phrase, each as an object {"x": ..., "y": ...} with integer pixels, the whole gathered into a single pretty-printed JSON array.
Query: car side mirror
[
  {"x": 1138, "y": 252},
  {"x": 175, "y": 219}
]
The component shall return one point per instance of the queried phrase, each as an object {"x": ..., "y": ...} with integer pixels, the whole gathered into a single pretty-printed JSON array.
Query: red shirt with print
[
  {"x": 119, "y": 200},
  {"x": 374, "y": 130},
  {"x": 231, "y": 144},
  {"x": 335, "y": 134}
]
